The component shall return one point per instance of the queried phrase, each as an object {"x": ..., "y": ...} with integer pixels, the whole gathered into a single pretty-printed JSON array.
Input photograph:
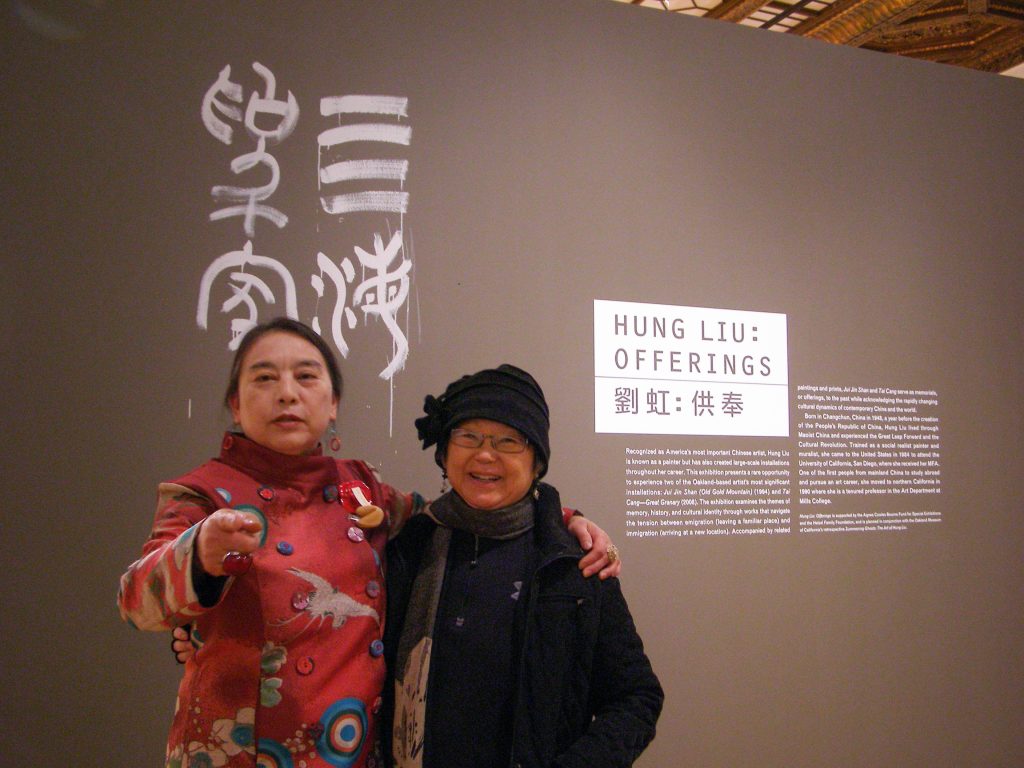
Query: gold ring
[{"x": 613, "y": 553}]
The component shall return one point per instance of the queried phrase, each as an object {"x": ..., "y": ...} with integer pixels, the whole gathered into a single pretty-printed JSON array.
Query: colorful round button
[
  {"x": 265, "y": 492},
  {"x": 285, "y": 548},
  {"x": 300, "y": 601},
  {"x": 356, "y": 534},
  {"x": 376, "y": 648},
  {"x": 354, "y": 494},
  {"x": 372, "y": 588},
  {"x": 305, "y": 665},
  {"x": 330, "y": 493}
]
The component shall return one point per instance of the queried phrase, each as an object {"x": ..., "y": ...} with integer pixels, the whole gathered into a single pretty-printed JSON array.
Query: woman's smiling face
[
  {"x": 284, "y": 400},
  {"x": 486, "y": 478}
]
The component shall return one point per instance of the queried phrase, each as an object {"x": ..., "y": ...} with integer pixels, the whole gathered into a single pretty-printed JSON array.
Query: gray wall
[{"x": 561, "y": 152}]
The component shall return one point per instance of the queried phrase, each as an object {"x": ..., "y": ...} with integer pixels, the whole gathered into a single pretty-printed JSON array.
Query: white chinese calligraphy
[
  {"x": 358, "y": 174},
  {"x": 287, "y": 114},
  {"x": 251, "y": 195},
  {"x": 387, "y": 201},
  {"x": 341, "y": 275},
  {"x": 239, "y": 260},
  {"x": 212, "y": 105},
  {"x": 384, "y": 292}
]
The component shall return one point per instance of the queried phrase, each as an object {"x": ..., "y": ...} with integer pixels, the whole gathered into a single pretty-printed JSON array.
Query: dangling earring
[
  {"x": 445, "y": 486},
  {"x": 536, "y": 489},
  {"x": 333, "y": 441}
]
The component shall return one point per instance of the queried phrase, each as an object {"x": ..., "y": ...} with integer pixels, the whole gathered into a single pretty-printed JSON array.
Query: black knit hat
[{"x": 505, "y": 394}]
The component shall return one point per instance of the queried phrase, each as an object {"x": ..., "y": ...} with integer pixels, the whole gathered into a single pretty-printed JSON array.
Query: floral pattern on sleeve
[{"x": 156, "y": 591}]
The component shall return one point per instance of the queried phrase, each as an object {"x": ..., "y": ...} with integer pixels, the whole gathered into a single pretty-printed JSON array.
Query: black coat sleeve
[{"x": 625, "y": 695}]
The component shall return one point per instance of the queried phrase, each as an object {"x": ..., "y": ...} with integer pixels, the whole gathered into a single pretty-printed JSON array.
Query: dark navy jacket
[{"x": 586, "y": 695}]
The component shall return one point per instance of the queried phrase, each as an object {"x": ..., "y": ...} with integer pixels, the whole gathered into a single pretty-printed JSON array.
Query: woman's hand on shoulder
[
  {"x": 602, "y": 556},
  {"x": 226, "y": 530}
]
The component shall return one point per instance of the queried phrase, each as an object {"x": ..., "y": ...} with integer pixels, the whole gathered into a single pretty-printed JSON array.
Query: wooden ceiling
[{"x": 987, "y": 35}]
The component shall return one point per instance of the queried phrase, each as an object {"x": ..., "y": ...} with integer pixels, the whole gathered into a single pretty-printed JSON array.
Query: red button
[
  {"x": 304, "y": 666},
  {"x": 266, "y": 492},
  {"x": 236, "y": 564},
  {"x": 354, "y": 494},
  {"x": 300, "y": 601}
]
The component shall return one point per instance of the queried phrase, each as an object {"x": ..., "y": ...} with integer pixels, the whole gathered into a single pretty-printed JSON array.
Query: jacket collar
[
  {"x": 553, "y": 538},
  {"x": 266, "y": 465}
]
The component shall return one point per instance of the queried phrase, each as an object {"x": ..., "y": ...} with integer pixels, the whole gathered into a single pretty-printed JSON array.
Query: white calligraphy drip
[
  {"x": 384, "y": 293},
  {"x": 239, "y": 260},
  {"x": 341, "y": 284}
]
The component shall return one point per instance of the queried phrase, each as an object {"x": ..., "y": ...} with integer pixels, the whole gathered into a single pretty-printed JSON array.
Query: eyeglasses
[{"x": 467, "y": 438}]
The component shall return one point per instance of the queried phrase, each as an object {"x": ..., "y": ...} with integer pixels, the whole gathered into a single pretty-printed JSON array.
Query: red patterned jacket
[{"x": 290, "y": 666}]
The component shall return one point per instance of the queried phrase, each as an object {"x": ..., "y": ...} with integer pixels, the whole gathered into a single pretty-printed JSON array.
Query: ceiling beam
[
  {"x": 844, "y": 22},
  {"x": 735, "y": 10}
]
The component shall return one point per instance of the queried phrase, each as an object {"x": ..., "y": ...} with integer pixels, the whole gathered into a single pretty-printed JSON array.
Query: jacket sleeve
[
  {"x": 398, "y": 506},
  {"x": 158, "y": 591},
  {"x": 625, "y": 695}
]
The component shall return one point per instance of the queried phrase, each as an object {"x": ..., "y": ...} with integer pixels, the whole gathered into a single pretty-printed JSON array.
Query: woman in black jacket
[{"x": 502, "y": 653}]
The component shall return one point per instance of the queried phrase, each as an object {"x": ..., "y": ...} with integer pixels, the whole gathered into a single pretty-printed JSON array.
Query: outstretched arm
[{"x": 158, "y": 591}]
